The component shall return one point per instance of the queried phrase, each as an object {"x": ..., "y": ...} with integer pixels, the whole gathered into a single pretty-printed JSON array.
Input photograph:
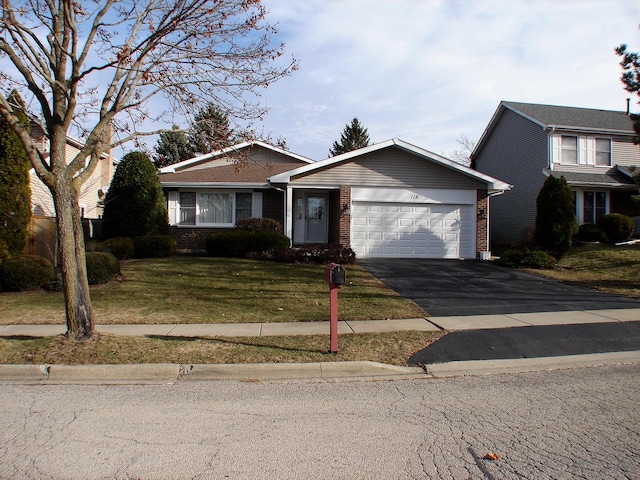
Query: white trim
[{"x": 414, "y": 195}]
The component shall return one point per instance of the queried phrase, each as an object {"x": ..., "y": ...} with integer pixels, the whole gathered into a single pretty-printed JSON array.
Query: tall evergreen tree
[
  {"x": 135, "y": 205},
  {"x": 15, "y": 189},
  {"x": 556, "y": 222},
  {"x": 630, "y": 64},
  {"x": 353, "y": 137},
  {"x": 210, "y": 131},
  {"x": 172, "y": 147}
]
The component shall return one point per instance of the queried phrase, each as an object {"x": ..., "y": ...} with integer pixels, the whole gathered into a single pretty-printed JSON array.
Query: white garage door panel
[{"x": 381, "y": 229}]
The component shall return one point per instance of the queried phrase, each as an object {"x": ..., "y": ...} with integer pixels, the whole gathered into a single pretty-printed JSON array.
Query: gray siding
[
  {"x": 390, "y": 167},
  {"x": 625, "y": 153},
  {"x": 515, "y": 152}
]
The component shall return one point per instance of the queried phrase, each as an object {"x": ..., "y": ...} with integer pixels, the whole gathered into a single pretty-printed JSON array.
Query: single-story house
[
  {"x": 524, "y": 143},
  {"x": 391, "y": 199}
]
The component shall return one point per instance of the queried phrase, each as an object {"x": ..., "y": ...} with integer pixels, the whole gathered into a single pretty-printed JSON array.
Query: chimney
[{"x": 628, "y": 106}]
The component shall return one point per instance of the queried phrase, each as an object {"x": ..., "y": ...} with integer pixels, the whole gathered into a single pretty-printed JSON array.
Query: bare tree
[
  {"x": 463, "y": 155},
  {"x": 96, "y": 65}
]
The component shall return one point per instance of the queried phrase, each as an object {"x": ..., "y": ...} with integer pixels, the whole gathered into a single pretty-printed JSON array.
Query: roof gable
[
  {"x": 492, "y": 183},
  {"x": 246, "y": 163},
  {"x": 229, "y": 153}
]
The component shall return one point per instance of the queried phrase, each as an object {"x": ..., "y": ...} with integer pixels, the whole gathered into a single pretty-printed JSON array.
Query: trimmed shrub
[
  {"x": 26, "y": 272},
  {"x": 317, "y": 254},
  {"x": 120, "y": 247},
  {"x": 267, "y": 242},
  {"x": 233, "y": 244},
  {"x": 590, "y": 233},
  {"x": 102, "y": 267},
  {"x": 241, "y": 243},
  {"x": 154, "y": 246},
  {"x": 259, "y": 225},
  {"x": 525, "y": 258},
  {"x": 616, "y": 227}
]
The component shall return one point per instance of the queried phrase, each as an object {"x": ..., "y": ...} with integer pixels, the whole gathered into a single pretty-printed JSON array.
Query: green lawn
[
  {"x": 214, "y": 290},
  {"x": 607, "y": 268}
]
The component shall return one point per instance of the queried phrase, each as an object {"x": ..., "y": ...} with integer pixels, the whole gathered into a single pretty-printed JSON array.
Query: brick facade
[
  {"x": 192, "y": 239},
  {"x": 482, "y": 222},
  {"x": 344, "y": 238}
]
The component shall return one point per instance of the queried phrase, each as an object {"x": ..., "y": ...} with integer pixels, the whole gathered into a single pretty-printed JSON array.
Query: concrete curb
[
  {"x": 328, "y": 371},
  {"x": 168, "y": 373}
]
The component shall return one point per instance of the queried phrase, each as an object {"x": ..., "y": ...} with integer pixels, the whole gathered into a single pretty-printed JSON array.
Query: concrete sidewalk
[
  {"x": 344, "y": 327},
  {"x": 318, "y": 371}
]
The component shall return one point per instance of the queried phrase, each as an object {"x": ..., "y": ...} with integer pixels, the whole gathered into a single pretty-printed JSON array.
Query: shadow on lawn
[{"x": 230, "y": 341}]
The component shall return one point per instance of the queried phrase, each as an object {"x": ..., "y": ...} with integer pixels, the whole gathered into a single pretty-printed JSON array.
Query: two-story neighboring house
[
  {"x": 92, "y": 191},
  {"x": 43, "y": 236},
  {"x": 524, "y": 143}
]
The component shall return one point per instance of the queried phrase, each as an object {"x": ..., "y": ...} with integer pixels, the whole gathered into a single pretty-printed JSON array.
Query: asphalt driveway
[{"x": 469, "y": 287}]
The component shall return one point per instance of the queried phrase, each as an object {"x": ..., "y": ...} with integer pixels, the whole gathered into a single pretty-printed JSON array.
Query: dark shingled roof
[
  {"x": 582, "y": 118},
  {"x": 251, "y": 172},
  {"x": 611, "y": 178}
]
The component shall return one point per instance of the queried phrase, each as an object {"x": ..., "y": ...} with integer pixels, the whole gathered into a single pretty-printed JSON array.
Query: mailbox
[{"x": 335, "y": 275}]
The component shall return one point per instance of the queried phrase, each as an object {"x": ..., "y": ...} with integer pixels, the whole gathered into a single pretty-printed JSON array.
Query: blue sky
[{"x": 429, "y": 71}]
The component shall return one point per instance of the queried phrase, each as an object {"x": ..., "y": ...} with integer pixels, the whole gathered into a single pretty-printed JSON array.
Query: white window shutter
[
  {"x": 173, "y": 208},
  {"x": 256, "y": 205},
  {"x": 556, "y": 149},
  {"x": 591, "y": 151}
]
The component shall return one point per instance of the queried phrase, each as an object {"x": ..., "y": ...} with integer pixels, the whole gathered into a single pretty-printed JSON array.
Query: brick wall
[
  {"x": 482, "y": 214},
  {"x": 344, "y": 238}
]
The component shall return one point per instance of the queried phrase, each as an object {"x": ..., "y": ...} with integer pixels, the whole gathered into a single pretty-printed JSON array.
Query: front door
[{"x": 316, "y": 219}]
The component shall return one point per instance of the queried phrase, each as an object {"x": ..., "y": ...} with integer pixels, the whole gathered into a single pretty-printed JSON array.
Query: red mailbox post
[{"x": 335, "y": 276}]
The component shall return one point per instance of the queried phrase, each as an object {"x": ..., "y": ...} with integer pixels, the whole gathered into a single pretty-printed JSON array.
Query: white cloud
[{"x": 429, "y": 71}]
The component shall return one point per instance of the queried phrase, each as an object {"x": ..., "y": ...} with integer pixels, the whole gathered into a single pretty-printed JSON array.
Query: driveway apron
[{"x": 470, "y": 287}]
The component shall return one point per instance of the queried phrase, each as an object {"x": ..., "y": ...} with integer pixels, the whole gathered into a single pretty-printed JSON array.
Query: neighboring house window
[
  {"x": 594, "y": 206},
  {"x": 603, "y": 152},
  {"x": 569, "y": 150},
  {"x": 187, "y": 208},
  {"x": 215, "y": 208}
]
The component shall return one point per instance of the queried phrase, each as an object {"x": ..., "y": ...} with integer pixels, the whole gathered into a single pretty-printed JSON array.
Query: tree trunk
[{"x": 79, "y": 311}]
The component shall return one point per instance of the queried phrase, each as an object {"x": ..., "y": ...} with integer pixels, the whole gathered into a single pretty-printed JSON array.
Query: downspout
[
  {"x": 550, "y": 147},
  {"x": 493, "y": 194}
]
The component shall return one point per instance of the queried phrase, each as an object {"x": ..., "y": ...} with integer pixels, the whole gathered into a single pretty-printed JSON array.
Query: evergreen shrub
[
  {"x": 590, "y": 233},
  {"x": 317, "y": 254},
  {"x": 26, "y": 272},
  {"x": 102, "y": 267},
  {"x": 525, "y": 258},
  {"x": 154, "y": 246},
  {"x": 254, "y": 224},
  {"x": 556, "y": 222},
  {"x": 120, "y": 247},
  {"x": 4, "y": 251},
  {"x": 242, "y": 243},
  {"x": 616, "y": 227}
]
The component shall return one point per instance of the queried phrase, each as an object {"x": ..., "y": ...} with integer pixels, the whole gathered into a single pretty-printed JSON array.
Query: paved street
[{"x": 575, "y": 423}]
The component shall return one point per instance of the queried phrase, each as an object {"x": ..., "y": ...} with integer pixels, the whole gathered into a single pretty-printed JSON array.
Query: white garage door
[{"x": 380, "y": 229}]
